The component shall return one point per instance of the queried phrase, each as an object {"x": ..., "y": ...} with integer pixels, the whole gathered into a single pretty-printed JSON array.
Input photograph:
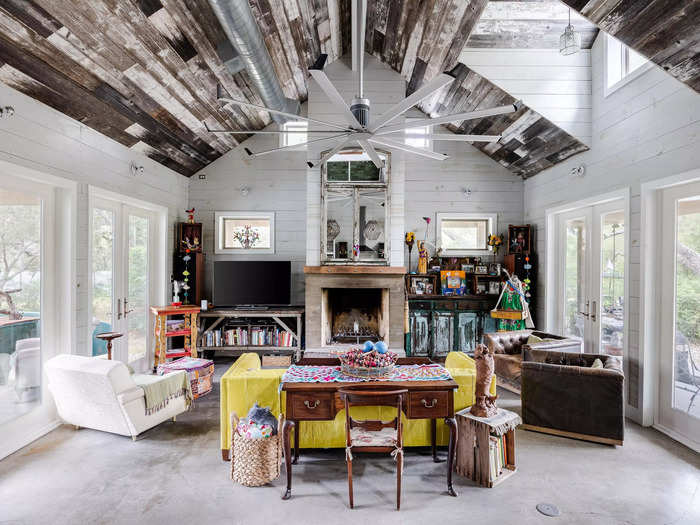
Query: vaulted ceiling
[{"x": 144, "y": 72}]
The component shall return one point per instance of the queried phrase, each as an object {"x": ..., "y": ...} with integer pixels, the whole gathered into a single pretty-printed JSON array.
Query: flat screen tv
[{"x": 251, "y": 283}]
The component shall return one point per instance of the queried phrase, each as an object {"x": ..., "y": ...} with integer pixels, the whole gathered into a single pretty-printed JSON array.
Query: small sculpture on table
[
  {"x": 485, "y": 405},
  {"x": 422, "y": 258}
]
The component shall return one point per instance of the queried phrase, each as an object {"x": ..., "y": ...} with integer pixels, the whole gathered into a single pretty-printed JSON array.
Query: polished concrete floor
[{"x": 174, "y": 474}]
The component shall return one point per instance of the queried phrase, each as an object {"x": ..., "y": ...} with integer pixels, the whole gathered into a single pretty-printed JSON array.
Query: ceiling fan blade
[
  {"x": 405, "y": 147},
  {"x": 282, "y": 148},
  {"x": 266, "y": 132},
  {"x": 372, "y": 153},
  {"x": 292, "y": 116},
  {"x": 461, "y": 138},
  {"x": 414, "y": 98},
  {"x": 330, "y": 153},
  {"x": 328, "y": 88},
  {"x": 457, "y": 117}
]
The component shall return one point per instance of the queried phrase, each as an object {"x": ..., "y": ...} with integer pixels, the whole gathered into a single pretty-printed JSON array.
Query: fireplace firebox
[{"x": 354, "y": 315}]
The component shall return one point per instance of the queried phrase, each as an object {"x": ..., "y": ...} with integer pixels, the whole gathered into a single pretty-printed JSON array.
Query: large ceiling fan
[{"x": 359, "y": 129}]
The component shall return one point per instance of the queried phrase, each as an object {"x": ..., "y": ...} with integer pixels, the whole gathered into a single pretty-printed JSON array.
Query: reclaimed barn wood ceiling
[
  {"x": 529, "y": 24},
  {"x": 422, "y": 39},
  {"x": 667, "y": 32},
  {"x": 144, "y": 72}
]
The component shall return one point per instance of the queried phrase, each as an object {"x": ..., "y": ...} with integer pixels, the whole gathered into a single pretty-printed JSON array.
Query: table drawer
[
  {"x": 309, "y": 405},
  {"x": 428, "y": 404}
]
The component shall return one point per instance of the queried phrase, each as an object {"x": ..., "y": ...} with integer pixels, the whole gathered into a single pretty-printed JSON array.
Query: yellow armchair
[{"x": 246, "y": 383}]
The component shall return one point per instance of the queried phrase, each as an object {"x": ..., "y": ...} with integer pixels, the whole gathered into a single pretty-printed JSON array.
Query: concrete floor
[{"x": 174, "y": 474}]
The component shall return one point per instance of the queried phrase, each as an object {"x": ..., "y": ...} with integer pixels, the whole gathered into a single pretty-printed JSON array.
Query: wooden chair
[{"x": 374, "y": 436}]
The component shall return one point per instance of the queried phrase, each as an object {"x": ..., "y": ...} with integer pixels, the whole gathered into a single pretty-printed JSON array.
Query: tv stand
[
  {"x": 276, "y": 319},
  {"x": 255, "y": 307}
]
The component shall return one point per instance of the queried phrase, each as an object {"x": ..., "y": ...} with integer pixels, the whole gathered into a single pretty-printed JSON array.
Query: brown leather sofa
[
  {"x": 563, "y": 395},
  {"x": 508, "y": 351}
]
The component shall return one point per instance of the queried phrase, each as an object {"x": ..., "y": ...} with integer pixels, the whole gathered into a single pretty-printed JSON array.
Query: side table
[
  {"x": 486, "y": 446},
  {"x": 109, "y": 336}
]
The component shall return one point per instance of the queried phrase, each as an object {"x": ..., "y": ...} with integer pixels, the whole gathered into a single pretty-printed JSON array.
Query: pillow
[
  {"x": 533, "y": 339},
  {"x": 597, "y": 363}
]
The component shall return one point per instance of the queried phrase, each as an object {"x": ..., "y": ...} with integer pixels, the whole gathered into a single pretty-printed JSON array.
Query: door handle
[
  {"x": 126, "y": 312},
  {"x": 119, "y": 308},
  {"x": 593, "y": 311},
  {"x": 586, "y": 314}
]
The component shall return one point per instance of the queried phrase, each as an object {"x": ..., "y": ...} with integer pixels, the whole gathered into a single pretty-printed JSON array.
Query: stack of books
[{"x": 498, "y": 455}]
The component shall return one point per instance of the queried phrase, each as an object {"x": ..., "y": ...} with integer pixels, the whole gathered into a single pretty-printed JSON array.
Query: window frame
[
  {"x": 221, "y": 216},
  {"x": 356, "y": 188},
  {"x": 491, "y": 228},
  {"x": 285, "y": 136},
  {"x": 624, "y": 58}
]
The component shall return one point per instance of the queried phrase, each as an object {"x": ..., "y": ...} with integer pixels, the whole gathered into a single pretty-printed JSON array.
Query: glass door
[
  {"x": 122, "y": 241},
  {"x": 679, "y": 365},
  {"x": 591, "y": 276},
  {"x": 21, "y": 260}
]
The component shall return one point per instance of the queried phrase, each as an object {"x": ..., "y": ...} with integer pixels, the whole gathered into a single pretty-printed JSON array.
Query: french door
[
  {"x": 591, "y": 276},
  {"x": 122, "y": 270},
  {"x": 679, "y": 348}
]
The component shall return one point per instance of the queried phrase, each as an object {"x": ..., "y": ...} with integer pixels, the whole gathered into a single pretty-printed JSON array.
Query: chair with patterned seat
[{"x": 374, "y": 436}]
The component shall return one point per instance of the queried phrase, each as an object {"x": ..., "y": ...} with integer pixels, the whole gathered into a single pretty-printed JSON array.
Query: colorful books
[
  {"x": 498, "y": 455},
  {"x": 248, "y": 336}
]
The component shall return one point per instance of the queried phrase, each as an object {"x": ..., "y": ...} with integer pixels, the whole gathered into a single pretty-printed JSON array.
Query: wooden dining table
[{"x": 433, "y": 399}]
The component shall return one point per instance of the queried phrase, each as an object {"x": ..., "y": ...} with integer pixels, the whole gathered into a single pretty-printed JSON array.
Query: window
[
  {"x": 418, "y": 137},
  {"x": 299, "y": 135},
  {"x": 245, "y": 232},
  {"x": 622, "y": 64},
  {"x": 355, "y": 211},
  {"x": 463, "y": 233}
]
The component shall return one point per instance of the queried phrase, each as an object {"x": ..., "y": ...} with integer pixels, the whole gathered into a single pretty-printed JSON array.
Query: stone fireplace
[{"x": 348, "y": 305}]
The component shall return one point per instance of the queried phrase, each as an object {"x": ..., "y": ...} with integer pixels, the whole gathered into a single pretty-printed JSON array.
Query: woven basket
[{"x": 255, "y": 462}]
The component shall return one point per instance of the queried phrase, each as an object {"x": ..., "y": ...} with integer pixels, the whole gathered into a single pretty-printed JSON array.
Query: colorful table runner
[{"x": 332, "y": 374}]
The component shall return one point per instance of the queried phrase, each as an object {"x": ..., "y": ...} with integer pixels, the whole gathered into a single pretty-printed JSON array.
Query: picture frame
[
  {"x": 494, "y": 287},
  {"x": 519, "y": 238},
  {"x": 495, "y": 269},
  {"x": 468, "y": 268},
  {"x": 481, "y": 269},
  {"x": 421, "y": 284},
  {"x": 230, "y": 224},
  {"x": 191, "y": 231},
  {"x": 481, "y": 287}
]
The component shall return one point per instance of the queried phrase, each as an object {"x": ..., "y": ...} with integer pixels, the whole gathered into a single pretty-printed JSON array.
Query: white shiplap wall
[
  {"x": 558, "y": 87},
  {"x": 43, "y": 139},
  {"x": 276, "y": 183},
  {"x": 438, "y": 186},
  {"x": 384, "y": 87},
  {"x": 646, "y": 130}
]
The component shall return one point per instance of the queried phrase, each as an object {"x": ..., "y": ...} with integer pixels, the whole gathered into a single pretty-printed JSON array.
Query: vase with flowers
[
  {"x": 495, "y": 242},
  {"x": 409, "y": 239}
]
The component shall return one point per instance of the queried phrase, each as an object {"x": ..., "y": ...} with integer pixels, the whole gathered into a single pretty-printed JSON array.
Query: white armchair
[{"x": 100, "y": 394}]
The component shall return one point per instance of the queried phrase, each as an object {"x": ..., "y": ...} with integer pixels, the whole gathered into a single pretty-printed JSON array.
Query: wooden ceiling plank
[
  {"x": 33, "y": 16},
  {"x": 298, "y": 70},
  {"x": 156, "y": 140},
  {"x": 129, "y": 24}
]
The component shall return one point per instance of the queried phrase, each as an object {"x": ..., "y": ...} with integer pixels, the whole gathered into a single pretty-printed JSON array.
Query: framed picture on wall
[
  {"x": 421, "y": 284},
  {"x": 519, "y": 239},
  {"x": 244, "y": 232}
]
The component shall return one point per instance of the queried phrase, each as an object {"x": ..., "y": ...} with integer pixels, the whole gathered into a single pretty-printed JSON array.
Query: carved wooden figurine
[{"x": 485, "y": 405}]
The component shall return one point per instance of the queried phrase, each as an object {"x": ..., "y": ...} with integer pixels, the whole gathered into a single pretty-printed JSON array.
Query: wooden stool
[
  {"x": 486, "y": 441},
  {"x": 109, "y": 336}
]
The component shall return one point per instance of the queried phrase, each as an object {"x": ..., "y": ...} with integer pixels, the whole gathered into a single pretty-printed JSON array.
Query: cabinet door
[
  {"x": 467, "y": 331},
  {"x": 443, "y": 333},
  {"x": 420, "y": 332}
]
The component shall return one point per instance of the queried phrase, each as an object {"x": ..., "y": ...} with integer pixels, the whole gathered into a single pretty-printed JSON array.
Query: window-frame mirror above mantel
[{"x": 358, "y": 208}]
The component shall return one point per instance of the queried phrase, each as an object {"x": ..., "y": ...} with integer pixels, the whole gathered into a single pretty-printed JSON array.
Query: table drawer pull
[
  {"x": 426, "y": 405},
  {"x": 308, "y": 405}
]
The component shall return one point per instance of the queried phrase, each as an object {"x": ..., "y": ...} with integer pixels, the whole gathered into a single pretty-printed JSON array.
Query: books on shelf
[
  {"x": 498, "y": 455},
  {"x": 248, "y": 336}
]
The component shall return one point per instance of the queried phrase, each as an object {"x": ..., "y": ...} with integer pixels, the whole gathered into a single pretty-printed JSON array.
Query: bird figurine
[{"x": 190, "y": 215}]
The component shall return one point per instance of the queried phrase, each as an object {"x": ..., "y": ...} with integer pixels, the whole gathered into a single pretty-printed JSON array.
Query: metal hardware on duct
[
  {"x": 7, "y": 112},
  {"x": 238, "y": 22},
  {"x": 135, "y": 170}
]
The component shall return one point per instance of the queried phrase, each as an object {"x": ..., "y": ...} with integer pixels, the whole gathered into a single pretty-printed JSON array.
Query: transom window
[
  {"x": 622, "y": 64},
  {"x": 464, "y": 233},
  {"x": 299, "y": 135}
]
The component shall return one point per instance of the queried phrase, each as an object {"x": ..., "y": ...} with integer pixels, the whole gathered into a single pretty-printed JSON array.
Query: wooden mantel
[{"x": 356, "y": 269}]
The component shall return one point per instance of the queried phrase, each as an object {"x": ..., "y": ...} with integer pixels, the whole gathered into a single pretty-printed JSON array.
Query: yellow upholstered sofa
[{"x": 246, "y": 383}]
